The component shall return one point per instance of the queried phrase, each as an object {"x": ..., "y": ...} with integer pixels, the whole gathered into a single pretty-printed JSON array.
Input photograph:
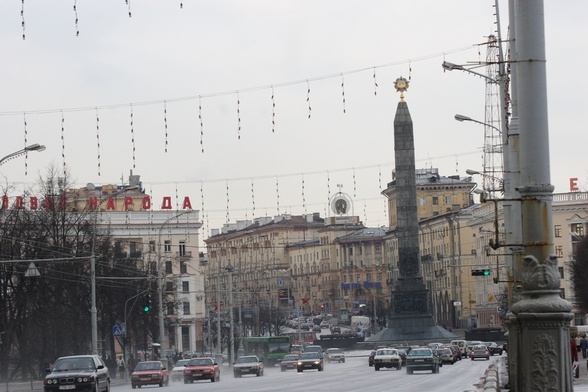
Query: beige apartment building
[
  {"x": 336, "y": 263},
  {"x": 163, "y": 240}
]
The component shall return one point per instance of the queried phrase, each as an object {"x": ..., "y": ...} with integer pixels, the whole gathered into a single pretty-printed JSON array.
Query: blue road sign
[{"x": 119, "y": 330}]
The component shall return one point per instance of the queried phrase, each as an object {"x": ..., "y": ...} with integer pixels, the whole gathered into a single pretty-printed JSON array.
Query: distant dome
[{"x": 90, "y": 186}]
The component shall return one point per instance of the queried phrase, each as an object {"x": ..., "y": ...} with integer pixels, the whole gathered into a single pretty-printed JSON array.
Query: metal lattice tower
[{"x": 493, "y": 145}]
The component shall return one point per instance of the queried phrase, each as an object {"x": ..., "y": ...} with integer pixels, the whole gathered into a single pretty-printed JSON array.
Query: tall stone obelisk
[{"x": 411, "y": 318}]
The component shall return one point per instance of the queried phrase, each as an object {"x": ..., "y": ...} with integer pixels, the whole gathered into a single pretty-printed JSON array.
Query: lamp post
[
  {"x": 32, "y": 147},
  {"x": 125, "y": 322},
  {"x": 160, "y": 279},
  {"x": 229, "y": 269}
]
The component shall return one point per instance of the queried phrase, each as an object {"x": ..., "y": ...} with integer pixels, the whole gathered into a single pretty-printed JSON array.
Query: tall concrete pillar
[{"x": 541, "y": 317}]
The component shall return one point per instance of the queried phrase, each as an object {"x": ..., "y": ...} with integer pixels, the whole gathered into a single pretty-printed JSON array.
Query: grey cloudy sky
[{"x": 223, "y": 60}]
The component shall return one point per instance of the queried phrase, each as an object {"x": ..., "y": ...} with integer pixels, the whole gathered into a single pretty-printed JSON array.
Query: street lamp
[
  {"x": 229, "y": 269},
  {"x": 32, "y": 147},
  {"x": 447, "y": 66},
  {"x": 462, "y": 118}
]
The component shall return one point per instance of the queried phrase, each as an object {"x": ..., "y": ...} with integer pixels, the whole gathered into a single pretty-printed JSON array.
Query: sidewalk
[{"x": 581, "y": 384}]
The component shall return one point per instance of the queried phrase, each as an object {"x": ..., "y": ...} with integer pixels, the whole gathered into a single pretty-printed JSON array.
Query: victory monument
[{"x": 411, "y": 318}]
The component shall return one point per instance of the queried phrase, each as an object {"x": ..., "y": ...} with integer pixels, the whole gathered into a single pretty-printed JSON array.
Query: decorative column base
[{"x": 541, "y": 321}]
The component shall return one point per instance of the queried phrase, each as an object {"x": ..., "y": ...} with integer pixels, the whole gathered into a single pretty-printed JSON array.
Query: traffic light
[
  {"x": 481, "y": 272},
  {"x": 146, "y": 303}
]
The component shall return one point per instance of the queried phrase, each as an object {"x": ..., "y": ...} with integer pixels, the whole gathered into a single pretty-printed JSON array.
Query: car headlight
[
  {"x": 316, "y": 362},
  {"x": 299, "y": 363}
]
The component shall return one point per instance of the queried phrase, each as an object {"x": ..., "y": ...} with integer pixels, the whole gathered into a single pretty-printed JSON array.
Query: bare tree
[{"x": 47, "y": 315}]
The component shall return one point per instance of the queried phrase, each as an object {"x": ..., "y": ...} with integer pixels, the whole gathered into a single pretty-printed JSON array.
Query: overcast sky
[{"x": 168, "y": 65}]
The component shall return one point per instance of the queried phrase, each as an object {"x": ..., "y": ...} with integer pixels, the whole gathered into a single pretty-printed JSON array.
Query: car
[
  {"x": 289, "y": 362},
  {"x": 462, "y": 344},
  {"x": 324, "y": 324},
  {"x": 422, "y": 358},
  {"x": 493, "y": 348},
  {"x": 371, "y": 358},
  {"x": 248, "y": 364},
  {"x": 388, "y": 358},
  {"x": 78, "y": 373},
  {"x": 335, "y": 355},
  {"x": 402, "y": 352},
  {"x": 317, "y": 328},
  {"x": 310, "y": 360},
  {"x": 335, "y": 329},
  {"x": 480, "y": 351},
  {"x": 314, "y": 348},
  {"x": 456, "y": 351},
  {"x": 177, "y": 372},
  {"x": 446, "y": 355},
  {"x": 149, "y": 373},
  {"x": 296, "y": 349},
  {"x": 435, "y": 345},
  {"x": 201, "y": 369}
]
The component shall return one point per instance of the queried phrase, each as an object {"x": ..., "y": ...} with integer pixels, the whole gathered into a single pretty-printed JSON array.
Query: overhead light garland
[{"x": 200, "y": 97}]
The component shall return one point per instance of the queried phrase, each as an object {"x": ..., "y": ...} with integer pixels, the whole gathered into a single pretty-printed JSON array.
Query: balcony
[{"x": 184, "y": 255}]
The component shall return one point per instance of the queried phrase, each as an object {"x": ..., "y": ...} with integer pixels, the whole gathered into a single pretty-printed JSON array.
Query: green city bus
[{"x": 270, "y": 349}]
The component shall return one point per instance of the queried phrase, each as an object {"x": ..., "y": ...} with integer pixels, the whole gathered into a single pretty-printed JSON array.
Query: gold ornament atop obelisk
[{"x": 401, "y": 85}]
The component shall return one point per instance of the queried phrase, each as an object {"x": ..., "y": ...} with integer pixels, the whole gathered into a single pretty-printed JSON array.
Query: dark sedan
[
  {"x": 422, "y": 359},
  {"x": 371, "y": 358},
  {"x": 78, "y": 373},
  {"x": 289, "y": 362},
  {"x": 310, "y": 360},
  {"x": 494, "y": 348}
]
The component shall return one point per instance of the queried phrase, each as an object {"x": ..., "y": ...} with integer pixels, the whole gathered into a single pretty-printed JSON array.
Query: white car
[
  {"x": 335, "y": 355},
  {"x": 177, "y": 373},
  {"x": 248, "y": 364},
  {"x": 388, "y": 358}
]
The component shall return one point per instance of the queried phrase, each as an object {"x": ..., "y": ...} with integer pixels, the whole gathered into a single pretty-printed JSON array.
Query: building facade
[{"x": 166, "y": 243}]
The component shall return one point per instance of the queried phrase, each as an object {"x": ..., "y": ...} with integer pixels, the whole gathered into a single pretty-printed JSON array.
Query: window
[
  {"x": 183, "y": 268},
  {"x": 152, "y": 246},
  {"x": 563, "y": 293},
  {"x": 561, "y": 272},
  {"x": 185, "y": 287},
  {"x": 448, "y": 200},
  {"x": 578, "y": 228},
  {"x": 557, "y": 230},
  {"x": 133, "y": 247},
  {"x": 559, "y": 251},
  {"x": 170, "y": 308},
  {"x": 378, "y": 249},
  {"x": 167, "y": 246},
  {"x": 186, "y": 307},
  {"x": 169, "y": 287},
  {"x": 182, "y": 248},
  {"x": 422, "y": 201},
  {"x": 350, "y": 251},
  {"x": 435, "y": 201},
  {"x": 168, "y": 267}
]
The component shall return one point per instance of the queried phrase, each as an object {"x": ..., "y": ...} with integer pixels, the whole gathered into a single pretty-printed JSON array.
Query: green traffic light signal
[
  {"x": 481, "y": 272},
  {"x": 146, "y": 304}
]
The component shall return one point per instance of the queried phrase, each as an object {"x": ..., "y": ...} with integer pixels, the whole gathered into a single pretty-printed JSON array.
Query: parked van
[{"x": 463, "y": 347}]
